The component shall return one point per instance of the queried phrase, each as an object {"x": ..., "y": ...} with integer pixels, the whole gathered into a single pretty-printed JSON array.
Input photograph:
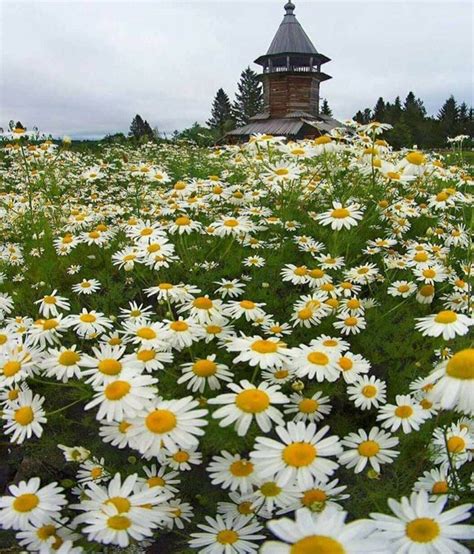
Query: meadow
[{"x": 257, "y": 347}]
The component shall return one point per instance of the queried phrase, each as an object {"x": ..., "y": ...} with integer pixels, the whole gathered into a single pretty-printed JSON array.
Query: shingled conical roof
[{"x": 290, "y": 37}]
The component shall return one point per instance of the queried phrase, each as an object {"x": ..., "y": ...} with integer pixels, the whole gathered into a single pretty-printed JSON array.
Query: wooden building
[{"x": 291, "y": 81}]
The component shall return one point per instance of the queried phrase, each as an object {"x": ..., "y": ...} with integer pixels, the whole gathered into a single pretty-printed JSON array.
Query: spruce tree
[
  {"x": 325, "y": 109},
  {"x": 448, "y": 117},
  {"x": 249, "y": 98},
  {"x": 221, "y": 114},
  {"x": 379, "y": 110}
]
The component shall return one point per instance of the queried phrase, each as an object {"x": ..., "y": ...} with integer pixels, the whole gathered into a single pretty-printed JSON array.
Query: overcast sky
[{"x": 84, "y": 68}]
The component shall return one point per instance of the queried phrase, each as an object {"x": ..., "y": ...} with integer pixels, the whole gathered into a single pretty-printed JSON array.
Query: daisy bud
[
  {"x": 66, "y": 140},
  {"x": 67, "y": 483},
  {"x": 297, "y": 386},
  {"x": 132, "y": 460},
  {"x": 372, "y": 474},
  {"x": 317, "y": 506},
  {"x": 202, "y": 401}
]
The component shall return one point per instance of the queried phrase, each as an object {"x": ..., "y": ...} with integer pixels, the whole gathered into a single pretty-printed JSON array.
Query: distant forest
[{"x": 411, "y": 123}]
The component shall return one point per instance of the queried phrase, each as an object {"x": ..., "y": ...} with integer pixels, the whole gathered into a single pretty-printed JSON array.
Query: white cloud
[{"x": 87, "y": 67}]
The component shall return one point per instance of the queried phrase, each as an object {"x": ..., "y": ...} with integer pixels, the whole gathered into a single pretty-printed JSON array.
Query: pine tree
[
  {"x": 448, "y": 117},
  {"x": 221, "y": 115},
  {"x": 140, "y": 129},
  {"x": 325, "y": 109},
  {"x": 249, "y": 98},
  {"x": 379, "y": 110}
]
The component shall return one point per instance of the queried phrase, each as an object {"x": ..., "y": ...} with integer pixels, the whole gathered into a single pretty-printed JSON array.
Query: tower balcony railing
[{"x": 292, "y": 68}]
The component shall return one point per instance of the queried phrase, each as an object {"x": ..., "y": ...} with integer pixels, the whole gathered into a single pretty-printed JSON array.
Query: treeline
[{"x": 412, "y": 125}]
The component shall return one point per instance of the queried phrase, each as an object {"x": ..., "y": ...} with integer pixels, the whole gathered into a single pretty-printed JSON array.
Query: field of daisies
[{"x": 249, "y": 348}]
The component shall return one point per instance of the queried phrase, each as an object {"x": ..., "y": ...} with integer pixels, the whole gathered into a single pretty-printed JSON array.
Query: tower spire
[{"x": 289, "y": 8}]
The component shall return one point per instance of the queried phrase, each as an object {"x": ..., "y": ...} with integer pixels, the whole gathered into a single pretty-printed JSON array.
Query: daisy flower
[
  {"x": 253, "y": 261},
  {"x": 269, "y": 496},
  {"x": 124, "y": 397},
  {"x": 435, "y": 482},
  {"x": 374, "y": 448},
  {"x": 148, "y": 359},
  {"x": 266, "y": 353},
  {"x": 232, "y": 288},
  {"x": 181, "y": 333},
  {"x": 204, "y": 372},
  {"x": 300, "y": 457},
  {"x": 315, "y": 361},
  {"x": 24, "y": 417},
  {"x": 203, "y": 309},
  {"x": 406, "y": 413},
  {"x": 317, "y": 533},
  {"x": 116, "y": 433},
  {"x": 421, "y": 525},
  {"x": 367, "y": 392},
  {"x": 454, "y": 387},
  {"x": 452, "y": 446},
  {"x": 86, "y": 286},
  {"x": 296, "y": 275},
  {"x": 231, "y": 471},
  {"x": 252, "y": 311},
  {"x": 352, "y": 366},
  {"x": 446, "y": 323},
  {"x": 172, "y": 424},
  {"x": 318, "y": 496},
  {"x": 28, "y": 504},
  {"x": 148, "y": 334},
  {"x": 50, "y": 304},
  {"x": 223, "y": 535},
  {"x": 161, "y": 479},
  {"x": 340, "y": 216},
  {"x": 92, "y": 471},
  {"x": 179, "y": 513},
  {"x": 308, "y": 408},
  {"x": 63, "y": 363},
  {"x": 349, "y": 325},
  {"x": 247, "y": 403},
  {"x": 106, "y": 365},
  {"x": 88, "y": 324},
  {"x": 135, "y": 312},
  {"x": 182, "y": 459},
  {"x": 401, "y": 288},
  {"x": 49, "y": 537}
]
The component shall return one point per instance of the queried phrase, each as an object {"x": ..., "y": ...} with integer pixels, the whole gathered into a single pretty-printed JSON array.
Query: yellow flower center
[
  {"x": 146, "y": 355},
  {"x": 227, "y": 536},
  {"x": 456, "y": 445},
  {"x": 109, "y": 366},
  {"x": 24, "y": 415},
  {"x": 270, "y": 489},
  {"x": 182, "y": 221},
  {"x": 369, "y": 391},
  {"x": 264, "y": 346},
  {"x": 45, "y": 532},
  {"x": 313, "y": 495},
  {"x": 247, "y": 305},
  {"x": 68, "y": 358},
  {"x": 245, "y": 508},
  {"x": 241, "y": 468},
  {"x": 156, "y": 482},
  {"x": 317, "y": 273},
  {"x": 202, "y": 303},
  {"x": 403, "y": 288},
  {"x": 122, "y": 504},
  {"x": 323, "y": 140},
  {"x": 416, "y": 158},
  {"x": 161, "y": 421},
  {"x": 345, "y": 363},
  {"x": 282, "y": 171},
  {"x": 308, "y": 406},
  {"x": 231, "y": 223},
  {"x": 317, "y": 358},
  {"x": 25, "y": 502},
  {"x": 461, "y": 365},
  {"x": 117, "y": 390},
  {"x": 351, "y": 321},
  {"x": 299, "y": 454},
  {"x": 204, "y": 368},
  {"x": 404, "y": 411},
  {"x": 119, "y": 523},
  {"x": 368, "y": 448},
  {"x": 181, "y": 456},
  {"x": 420, "y": 257},
  {"x": 96, "y": 472},
  {"x": 317, "y": 544},
  {"x": 179, "y": 326},
  {"x": 427, "y": 290},
  {"x": 123, "y": 426},
  {"x": 49, "y": 324},
  {"x": 423, "y": 529},
  {"x": 146, "y": 333},
  {"x": 305, "y": 313},
  {"x": 252, "y": 401},
  {"x": 11, "y": 368},
  {"x": 49, "y": 300},
  {"x": 446, "y": 316},
  {"x": 301, "y": 271},
  {"x": 87, "y": 318},
  {"x": 340, "y": 213},
  {"x": 440, "y": 487},
  {"x": 281, "y": 374}
]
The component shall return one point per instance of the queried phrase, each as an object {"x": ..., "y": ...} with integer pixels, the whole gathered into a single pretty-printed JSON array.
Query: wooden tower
[{"x": 291, "y": 80}]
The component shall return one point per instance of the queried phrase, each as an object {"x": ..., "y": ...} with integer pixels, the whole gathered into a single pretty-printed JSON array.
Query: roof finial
[{"x": 289, "y": 8}]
